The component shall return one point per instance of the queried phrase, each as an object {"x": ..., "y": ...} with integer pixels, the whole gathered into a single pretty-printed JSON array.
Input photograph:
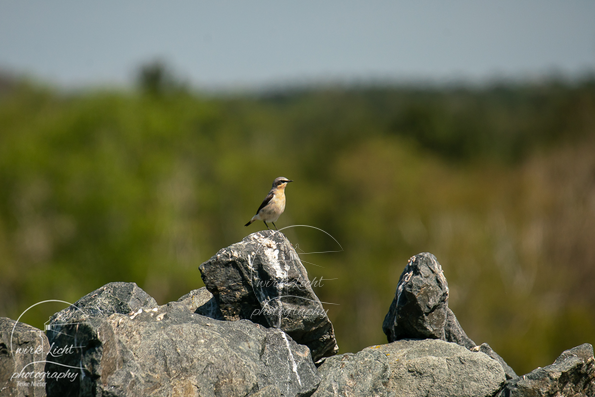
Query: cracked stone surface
[
  {"x": 129, "y": 346},
  {"x": 428, "y": 368},
  {"x": 262, "y": 279}
]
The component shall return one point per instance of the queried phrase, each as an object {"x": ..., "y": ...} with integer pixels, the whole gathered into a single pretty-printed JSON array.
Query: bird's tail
[{"x": 248, "y": 224}]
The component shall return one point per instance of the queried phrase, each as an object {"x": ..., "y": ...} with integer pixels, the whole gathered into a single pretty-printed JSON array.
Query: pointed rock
[{"x": 420, "y": 307}]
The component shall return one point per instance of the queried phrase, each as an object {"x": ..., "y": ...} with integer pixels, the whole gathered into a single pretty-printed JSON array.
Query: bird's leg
[
  {"x": 265, "y": 223},
  {"x": 274, "y": 225}
]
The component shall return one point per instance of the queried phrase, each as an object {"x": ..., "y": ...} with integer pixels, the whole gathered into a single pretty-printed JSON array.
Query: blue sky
[{"x": 245, "y": 44}]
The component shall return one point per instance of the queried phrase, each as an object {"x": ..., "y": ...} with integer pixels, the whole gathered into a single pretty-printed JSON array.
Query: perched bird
[{"x": 273, "y": 205}]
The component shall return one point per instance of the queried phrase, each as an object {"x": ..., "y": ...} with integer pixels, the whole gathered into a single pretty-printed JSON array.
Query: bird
[{"x": 273, "y": 205}]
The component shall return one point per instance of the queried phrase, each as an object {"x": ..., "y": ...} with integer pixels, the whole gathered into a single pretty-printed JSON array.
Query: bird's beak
[{"x": 289, "y": 180}]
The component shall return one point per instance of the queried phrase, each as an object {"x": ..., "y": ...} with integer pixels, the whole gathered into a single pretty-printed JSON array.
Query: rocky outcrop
[
  {"x": 23, "y": 350},
  {"x": 263, "y": 280},
  {"x": 412, "y": 368},
  {"x": 571, "y": 375},
  {"x": 256, "y": 331},
  {"x": 126, "y": 345}
]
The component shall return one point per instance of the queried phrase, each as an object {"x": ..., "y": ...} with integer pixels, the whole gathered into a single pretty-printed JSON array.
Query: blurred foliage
[
  {"x": 498, "y": 182},
  {"x": 156, "y": 78}
]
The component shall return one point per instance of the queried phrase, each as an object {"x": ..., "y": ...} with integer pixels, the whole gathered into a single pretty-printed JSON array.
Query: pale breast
[{"x": 274, "y": 209}]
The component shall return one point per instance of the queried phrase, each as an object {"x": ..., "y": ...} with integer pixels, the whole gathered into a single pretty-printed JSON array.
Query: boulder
[
  {"x": 23, "y": 349},
  {"x": 116, "y": 297},
  {"x": 126, "y": 345},
  {"x": 75, "y": 330},
  {"x": 262, "y": 279},
  {"x": 412, "y": 368},
  {"x": 420, "y": 309},
  {"x": 571, "y": 375}
]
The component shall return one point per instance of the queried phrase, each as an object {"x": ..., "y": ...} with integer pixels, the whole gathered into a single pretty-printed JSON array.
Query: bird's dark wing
[{"x": 267, "y": 200}]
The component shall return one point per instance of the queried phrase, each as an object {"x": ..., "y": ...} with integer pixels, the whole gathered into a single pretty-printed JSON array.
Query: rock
[
  {"x": 571, "y": 375},
  {"x": 420, "y": 307},
  {"x": 126, "y": 345},
  {"x": 201, "y": 301},
  {"x": 427, "y": 367},
  {"x": 263, "y": 280},
  {"x": 23, "y": 349},
  {"x": 366, "y": 373},
  {"x": 75, "y": 330},
  {"x": 195, "y": 299},
  {"x": 117, "y": 297}
]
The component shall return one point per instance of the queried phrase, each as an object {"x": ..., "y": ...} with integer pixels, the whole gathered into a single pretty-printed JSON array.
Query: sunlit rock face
[{"x": 262, "y": 279}]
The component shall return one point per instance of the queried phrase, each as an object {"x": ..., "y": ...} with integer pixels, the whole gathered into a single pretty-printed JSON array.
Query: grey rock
[
  {"x": 366, "y": 373},
  {"x": 412, "y": 368},
  {"x": 420, "y": 307},
  {"x": 201, "y": 301},
  {"x": 571, "y": 375},
  {"x": 23, "y": 349},
  {"x": 263, "y": 280},
  {"x": 116, "y": 297},
  {"x": 169, "y": 350},
  {"x": 208, "y": 308},
  {"x": 75, "y": 330},
  {"x": 195, "y": 299}
]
